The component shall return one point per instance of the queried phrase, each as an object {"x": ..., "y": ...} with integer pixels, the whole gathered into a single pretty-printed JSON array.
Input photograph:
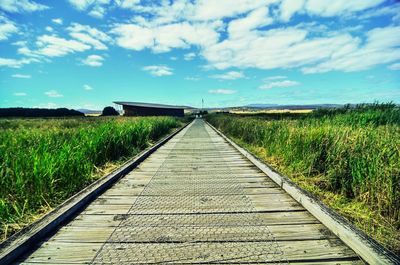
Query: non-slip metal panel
[{"x": 200, "y": 219}]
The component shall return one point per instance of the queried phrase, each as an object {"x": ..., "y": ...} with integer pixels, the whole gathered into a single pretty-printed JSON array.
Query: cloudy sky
[{"x": 88, "y": 53}]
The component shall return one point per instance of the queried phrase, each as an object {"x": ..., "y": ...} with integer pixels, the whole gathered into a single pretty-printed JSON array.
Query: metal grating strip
[{"x": 199, "y": 232}]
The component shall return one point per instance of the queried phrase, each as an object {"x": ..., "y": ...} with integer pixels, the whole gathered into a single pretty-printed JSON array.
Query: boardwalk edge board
[
  {"x": 365, "y": 246},
  {"x": 26, "y": 239}
]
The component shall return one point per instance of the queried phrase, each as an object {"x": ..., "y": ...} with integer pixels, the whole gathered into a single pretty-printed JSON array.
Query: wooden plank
[
  {"x": 174, "y": 209},
  {"x": 62, "y": 252},
  {"x": 179, "y": 192},
  {"x": 177, "y": 179},
  {"x": 106, "y": 209},
  {"x": 124, "y": 192},
  {"x": 269, "y": 218},
  {"x": 137, "y": 174},
  {"x": 258, "y": 200},
  {"x": 145, "y": 233},
  {"x": 319, "y": 262},
  {"x": 186, "y": 186},
  {"x": 54, "y": 253},
  {"x": 248, "y": 170}
]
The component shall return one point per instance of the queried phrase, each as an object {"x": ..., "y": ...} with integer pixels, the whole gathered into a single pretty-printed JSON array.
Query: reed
[
  {"x": 45, "y": 161},
  {"x": 354, "y": 152}
]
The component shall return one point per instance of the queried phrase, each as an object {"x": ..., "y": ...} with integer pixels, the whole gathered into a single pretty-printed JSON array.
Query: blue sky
[{"x": 88, "y": 53}]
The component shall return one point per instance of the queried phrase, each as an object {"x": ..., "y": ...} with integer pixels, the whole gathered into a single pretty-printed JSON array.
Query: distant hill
[
  {"x": 291, "y": 107},
  {"x": 277, "y": 107},
  {"x": 38, "y": 113},
  {"x": 88, "y": 111},
  {"x": 260, "y": 106}
]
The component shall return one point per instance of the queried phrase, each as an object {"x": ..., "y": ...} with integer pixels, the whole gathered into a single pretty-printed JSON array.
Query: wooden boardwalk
[{"x": 195, "y": 200}]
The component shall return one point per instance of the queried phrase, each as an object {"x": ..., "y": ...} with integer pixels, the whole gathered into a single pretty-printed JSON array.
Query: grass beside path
[
  {"x": 45, "y": 161},
  {"x": 349, "y": 158}
]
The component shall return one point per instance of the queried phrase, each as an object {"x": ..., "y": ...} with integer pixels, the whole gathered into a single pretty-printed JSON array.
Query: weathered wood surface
[{"x": 195, "y": 200}]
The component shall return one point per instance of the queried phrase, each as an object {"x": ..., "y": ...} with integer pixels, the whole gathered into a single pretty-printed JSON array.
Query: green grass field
[
  {"x": 45, "y": 161},
  {"x": 348, "y": 157}
]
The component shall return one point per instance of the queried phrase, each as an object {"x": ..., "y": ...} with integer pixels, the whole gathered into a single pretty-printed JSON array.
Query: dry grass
[{"x": 271, "y": 111}]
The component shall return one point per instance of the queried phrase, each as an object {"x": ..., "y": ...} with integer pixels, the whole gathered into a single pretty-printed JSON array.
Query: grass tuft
[{"x": 348, "y": 157}]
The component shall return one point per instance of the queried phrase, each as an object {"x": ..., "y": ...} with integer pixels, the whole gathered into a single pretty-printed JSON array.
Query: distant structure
[{"x": 151, "y": 109}]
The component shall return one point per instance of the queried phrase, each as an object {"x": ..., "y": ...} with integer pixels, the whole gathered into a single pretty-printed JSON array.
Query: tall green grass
[
  {"x": 44, "y": 161},
  {"x": 356, "y": 151}
]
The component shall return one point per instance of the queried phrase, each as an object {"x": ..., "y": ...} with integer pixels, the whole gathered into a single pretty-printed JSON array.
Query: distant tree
[
  {"x": 109, "y": 111},
  {"x": 36, "y": 112}
]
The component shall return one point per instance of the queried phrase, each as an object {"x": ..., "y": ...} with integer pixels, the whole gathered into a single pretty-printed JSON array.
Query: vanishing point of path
[{"x": 195, "y": 200}]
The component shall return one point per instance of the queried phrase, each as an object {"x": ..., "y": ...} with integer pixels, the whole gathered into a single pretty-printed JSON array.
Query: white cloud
[
  {"x": 81, "y": 4},
  {"x": 58, "y": 21},
  {"x": 14, "y": 63},
  {"x": 381, "y": 46},
  {"x": 97, "y": 12},
  {"x": 53, "y": 46},
  {"x": 87, "y": 87},
  {"x": 89, "y": 35},
  {"x": 250, "y": 36},
  {"x": 21, "y": 6},
  {"x": 166, "y": 12},
  {"x": 231, "y": 75},
  {"x": 49, "y": 29},
  {"x": 339, "y": 7},
  {"x": 7, "y": 28},
  {"x": 93, "y": 60},
  {"x": 158, "y": 70},
  {"x": 284, "y": 83},
  {"x": 189, "y": 56},
  {"x": 95, "y": 33},
  {"x": 242, "y": 26},
  {"x": 222, "y": 91},
  {"x": 290, "y": 7},
  {"x": 166, "y": 37},
  {"x": 82, "y": 37},
  {"x": 24, "y": 50},
  {"x": 158, "y": 13},
  {"x": 324, "y": 8},
  {"x": 251, "y": 40},
  {"x": 276, "y": 77},
  {"x": 213, "y": 10},
  {"x": 192, "y": 78},
  {"x": 133, "y": 37},
  {"x": 96, "y": 8},
  {"x": 296, "y": 47},
  {"x": 395, "y": 66},
  {"x": 20, "y": 94},
  {"x": 129, "y": 4},
  {"x": 390, "y": 10},
  {"x": 21, "y": 76},
  {"x": 275, "y": 48},
  {"x": 53, "y": 94}
]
